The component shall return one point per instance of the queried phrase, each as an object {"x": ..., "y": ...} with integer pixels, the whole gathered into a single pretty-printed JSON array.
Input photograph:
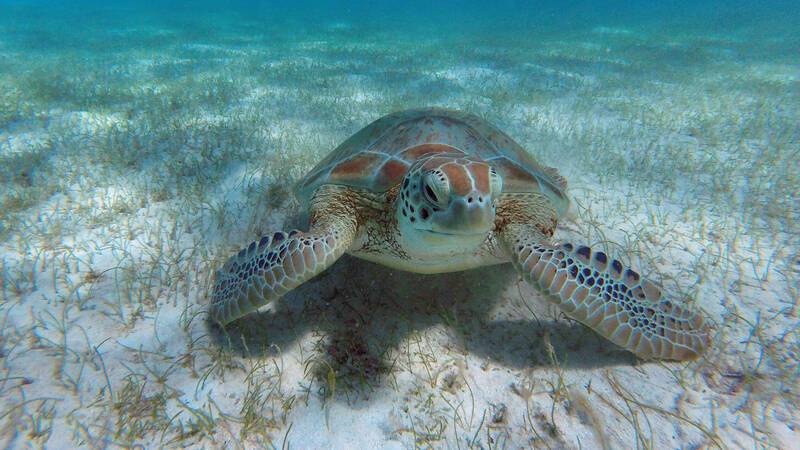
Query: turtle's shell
[{"x": 377, "y": 157}]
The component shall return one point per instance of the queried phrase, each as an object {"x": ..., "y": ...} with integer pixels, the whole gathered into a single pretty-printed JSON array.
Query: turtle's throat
[{"x": 423, "y": 244}]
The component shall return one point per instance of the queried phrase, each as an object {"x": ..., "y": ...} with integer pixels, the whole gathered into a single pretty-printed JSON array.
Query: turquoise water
[{"x": 144, "y": 143}]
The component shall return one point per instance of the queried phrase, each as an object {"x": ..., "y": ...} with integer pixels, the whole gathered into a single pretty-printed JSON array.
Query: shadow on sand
[{"x": 366, "y": 310}]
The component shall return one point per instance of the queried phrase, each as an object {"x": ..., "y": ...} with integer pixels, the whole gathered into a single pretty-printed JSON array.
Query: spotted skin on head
[
  {"x": 449, "y": 194},
  {"x": 610, "y": 298}
]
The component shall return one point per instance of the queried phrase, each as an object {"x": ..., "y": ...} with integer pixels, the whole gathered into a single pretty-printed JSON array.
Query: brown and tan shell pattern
[{"x": 378, "y": 156}]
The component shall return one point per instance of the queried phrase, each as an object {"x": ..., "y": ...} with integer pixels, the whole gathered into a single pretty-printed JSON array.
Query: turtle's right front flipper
[
  {"x": 609, "y": 298},
  {"x": 269, "y": 268}
]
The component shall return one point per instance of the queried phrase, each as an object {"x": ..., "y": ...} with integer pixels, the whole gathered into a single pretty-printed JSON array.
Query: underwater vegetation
[{"x": 140, "y": 149}]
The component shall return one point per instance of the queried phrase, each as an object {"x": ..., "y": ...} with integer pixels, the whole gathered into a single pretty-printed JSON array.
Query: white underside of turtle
[{"x": 434, "y": 190}]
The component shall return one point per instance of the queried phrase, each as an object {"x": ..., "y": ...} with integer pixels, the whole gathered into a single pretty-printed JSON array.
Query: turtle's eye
[
  {"x": 435, "y": 188},
  {"x": 431, "y": 195}
]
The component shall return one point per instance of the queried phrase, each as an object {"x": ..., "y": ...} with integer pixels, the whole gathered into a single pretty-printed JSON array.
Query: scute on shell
[{"x": 377, "y": 157}]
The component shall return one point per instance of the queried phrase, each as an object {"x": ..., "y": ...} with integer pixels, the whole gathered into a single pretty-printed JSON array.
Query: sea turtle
[{"x": 435, "y": 190}]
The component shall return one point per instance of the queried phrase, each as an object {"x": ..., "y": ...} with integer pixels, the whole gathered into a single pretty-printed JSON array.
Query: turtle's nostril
[
  {"x": 480, "y": 199},
  {"x": 469, "y": 200}
]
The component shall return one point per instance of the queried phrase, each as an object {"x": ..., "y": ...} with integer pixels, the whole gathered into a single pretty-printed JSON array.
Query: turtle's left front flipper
[
  {"x": 277, "y": 263},
  {"x": 606, "y": 296}
]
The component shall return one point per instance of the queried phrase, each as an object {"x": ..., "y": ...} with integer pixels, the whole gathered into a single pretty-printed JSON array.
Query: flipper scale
[{"x": 613, "y": 300}]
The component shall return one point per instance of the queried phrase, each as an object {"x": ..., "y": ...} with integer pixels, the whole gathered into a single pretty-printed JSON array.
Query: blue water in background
[{"x": 35, "y": 24}]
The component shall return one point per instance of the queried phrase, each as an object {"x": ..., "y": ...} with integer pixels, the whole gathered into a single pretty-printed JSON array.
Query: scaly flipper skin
[
  {"x": 606, "y": 296},
  {"x": 269, "y": 268}
]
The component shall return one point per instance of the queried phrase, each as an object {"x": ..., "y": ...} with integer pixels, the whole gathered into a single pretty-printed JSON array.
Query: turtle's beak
[{"x": 469, "y": 214}]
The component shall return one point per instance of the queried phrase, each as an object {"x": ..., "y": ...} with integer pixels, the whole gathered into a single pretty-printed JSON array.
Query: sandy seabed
[{"x": 134, "y": 164}]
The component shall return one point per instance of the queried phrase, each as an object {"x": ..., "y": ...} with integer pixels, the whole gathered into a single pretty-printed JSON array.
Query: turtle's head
[{"x": 446, "y": 196}]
